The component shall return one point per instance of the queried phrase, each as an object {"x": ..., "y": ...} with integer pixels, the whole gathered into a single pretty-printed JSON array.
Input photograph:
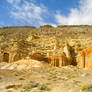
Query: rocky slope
[
  {"x": 60, "y": 46},
  {"x": 49, "y": 79},
  {"x": 46, "y": 59}
]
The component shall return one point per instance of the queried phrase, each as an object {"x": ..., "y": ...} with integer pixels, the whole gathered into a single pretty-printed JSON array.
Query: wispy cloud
[
  {"x": 28, "y": 12},
  {"x": 81, "y": 16},
  {"x": 10, "y": 1},
  {"x": 13, "y": 1}
]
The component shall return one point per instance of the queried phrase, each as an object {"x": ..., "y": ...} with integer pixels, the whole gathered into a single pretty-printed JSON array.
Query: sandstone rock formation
[
  {"x": 85, "y": 59},
  {"x": 62, "y": 59},
  {"x": 60, "y": 46},
  {"x": 24, "y": 64}
]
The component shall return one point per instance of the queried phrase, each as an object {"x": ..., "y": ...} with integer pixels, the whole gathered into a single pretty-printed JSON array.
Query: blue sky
[{"x": 41, "y": 12}]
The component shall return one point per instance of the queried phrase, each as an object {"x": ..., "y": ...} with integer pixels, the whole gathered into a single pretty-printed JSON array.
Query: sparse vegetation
[
  {"x": 86, "y": 87},
  {"x": 14, "y": 86},
  {"x": 35, "y": 87}
]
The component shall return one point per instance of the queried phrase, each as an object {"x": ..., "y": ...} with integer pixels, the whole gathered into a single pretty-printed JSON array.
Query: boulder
[
  {"x": 24, "y": 64},
  {"x": 29, "y": 62}
]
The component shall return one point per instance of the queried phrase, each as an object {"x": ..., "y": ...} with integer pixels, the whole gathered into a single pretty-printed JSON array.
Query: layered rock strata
[{"x": 60, "y": 46}]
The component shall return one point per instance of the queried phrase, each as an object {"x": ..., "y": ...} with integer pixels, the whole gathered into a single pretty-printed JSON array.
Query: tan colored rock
[
  {"x": 13, "y": 55},
  {"x": 63, "y": 59},
  {"x": 29, "y": 62},
  {"x": 85, "y": 59},
  {"x": 59, "y": 61},
  {"x": 67, "y": 52},
  {"x": 24, "y": 64},
  {"x": 47, "y": 44}
]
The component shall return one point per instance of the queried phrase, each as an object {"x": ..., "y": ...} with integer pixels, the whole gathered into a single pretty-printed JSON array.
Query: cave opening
[{"x": 6, "y": 57}]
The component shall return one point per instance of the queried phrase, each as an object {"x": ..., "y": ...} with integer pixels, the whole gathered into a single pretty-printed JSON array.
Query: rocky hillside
[
  {"x": 60, "y": 46},
  {"x": 46, "y": 59}
]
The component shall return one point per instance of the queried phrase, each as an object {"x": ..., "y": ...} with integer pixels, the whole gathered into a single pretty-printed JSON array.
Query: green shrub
[{"x": 86, "y": 87}]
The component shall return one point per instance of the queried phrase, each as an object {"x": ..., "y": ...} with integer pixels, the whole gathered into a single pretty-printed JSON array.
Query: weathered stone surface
[
  {"x": 63, "y": 59},
  {"x": 29, "y": 62},
  {"x": 26, "y": 56},
  {"x": 47, "y": 44},
  {"x": 25, "y": 64},
  {"x": 85, "y": 59}
]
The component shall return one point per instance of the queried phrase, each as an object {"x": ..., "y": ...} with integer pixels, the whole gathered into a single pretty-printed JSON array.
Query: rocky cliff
[{"x": 60, "y": 46}]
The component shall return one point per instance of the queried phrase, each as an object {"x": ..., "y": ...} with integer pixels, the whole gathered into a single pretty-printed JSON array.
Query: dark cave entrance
[{"x": 6, "y": 57}]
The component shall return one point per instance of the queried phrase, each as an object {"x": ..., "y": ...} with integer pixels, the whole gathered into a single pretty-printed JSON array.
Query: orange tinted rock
[
  {"x": 85, "y": 59},
  {"x": 38, "y": 57},
  {"x": 38, "y": 39},
  {"x": 59, "y": 61}
]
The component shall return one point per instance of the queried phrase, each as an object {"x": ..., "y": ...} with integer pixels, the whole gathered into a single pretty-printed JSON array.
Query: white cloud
[
  {"x": 28, "y": 12},
  {"x": 13, "y": 1},
  {"x": 81, "y": 16},
  {"x": 10, "y": 1}
]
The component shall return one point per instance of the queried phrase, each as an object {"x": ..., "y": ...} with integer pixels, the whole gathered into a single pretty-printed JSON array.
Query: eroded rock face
[
  {"x": 62, "y": 60},
  {"x": 59, "y": 61},
  {"x": 47, "y": 44},
  {"x": 85, "y": 59}
]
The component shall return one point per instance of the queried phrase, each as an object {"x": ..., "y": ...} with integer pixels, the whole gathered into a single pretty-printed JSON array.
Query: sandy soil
[{"x": 65, "y": 79}]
